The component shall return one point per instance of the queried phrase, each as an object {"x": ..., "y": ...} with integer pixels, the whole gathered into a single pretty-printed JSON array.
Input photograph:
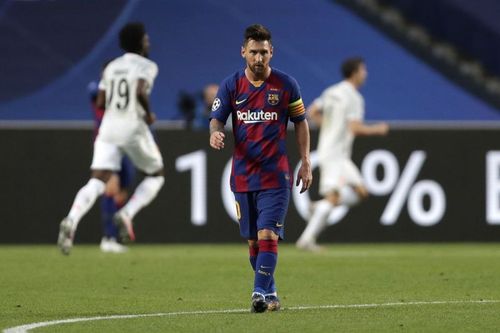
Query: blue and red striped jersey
[{"x": 260, "y": 117}]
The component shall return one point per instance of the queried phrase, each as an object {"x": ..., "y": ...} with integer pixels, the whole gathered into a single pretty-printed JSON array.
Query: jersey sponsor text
[{"x": 249, "y": 117}]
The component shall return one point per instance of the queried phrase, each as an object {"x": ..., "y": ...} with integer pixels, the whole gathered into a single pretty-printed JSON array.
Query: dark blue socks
[
  {"x": 264, "y": 264},
  {"x": 108, "y": 210}
]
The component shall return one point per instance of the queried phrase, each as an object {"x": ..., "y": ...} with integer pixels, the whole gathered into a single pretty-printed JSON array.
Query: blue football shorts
[{"x": 265, "y": 209}]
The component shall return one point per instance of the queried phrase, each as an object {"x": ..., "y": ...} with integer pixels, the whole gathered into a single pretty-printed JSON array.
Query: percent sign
[{"x": 404, "y": 188}]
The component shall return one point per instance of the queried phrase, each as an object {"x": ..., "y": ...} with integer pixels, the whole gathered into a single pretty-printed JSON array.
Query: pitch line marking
[{"x": 26, "y": 328}]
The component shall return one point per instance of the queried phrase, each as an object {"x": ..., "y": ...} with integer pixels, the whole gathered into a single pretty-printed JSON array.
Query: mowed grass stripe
[{"x": 38, "y": 284}]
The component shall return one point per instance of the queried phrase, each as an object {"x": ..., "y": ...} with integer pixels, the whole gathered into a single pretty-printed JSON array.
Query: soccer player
[
  {"x": 340, "y": 112},
  {"x": 124, "y": 90},
  {"x": 261, "y": 100},
  {"x": 117, "y": 187}
]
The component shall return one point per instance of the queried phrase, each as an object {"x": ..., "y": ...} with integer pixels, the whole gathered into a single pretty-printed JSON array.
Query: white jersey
[
  {"x": 340, "y": 104},
  {"x": 124, "y": 116}
]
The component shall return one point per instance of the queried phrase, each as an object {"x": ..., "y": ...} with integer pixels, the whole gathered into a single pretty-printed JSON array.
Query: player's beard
[{"x": 259, "y": 70}]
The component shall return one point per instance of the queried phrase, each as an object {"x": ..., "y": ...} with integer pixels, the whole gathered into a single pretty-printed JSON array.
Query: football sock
[
  {"x": 348, "y": 196},
  {"x": 85, "y": 199},
  {"x": 254, "y": 251},
  {"x": 108, "y": 210},
  {"x": 143, "y": 195},
  {"x": 317, "y": 222},
  {"x": 265, "y": 265},
  {"x": 271, "y": 290}
]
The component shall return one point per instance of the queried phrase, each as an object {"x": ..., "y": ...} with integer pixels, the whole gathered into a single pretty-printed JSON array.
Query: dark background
[{"x": 43, "y": 169}]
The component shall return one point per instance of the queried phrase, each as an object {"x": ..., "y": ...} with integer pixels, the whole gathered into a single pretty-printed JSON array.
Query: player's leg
[
  {"x": 246, "y": 212},
  {"x": 146, "y": 156},
  {"x": 271, "y": 295},
  {"x": 106, "y": 158},
  {"x": 108, "y": 206},
  {"x": 110, "y": 201},
  {"x": 330, "y": 180},
  {"x": 354, "y": 192},
  {"x": 142, "y": 196},
  {"x": 253, "y": 250},
  {"x": 272, "y": 206},
  {"x": 247, "y": 222},
  {"x": 126, "y": 180},
  {"x": 84, "y": 200},
  {"x": 317, "y": 222}
]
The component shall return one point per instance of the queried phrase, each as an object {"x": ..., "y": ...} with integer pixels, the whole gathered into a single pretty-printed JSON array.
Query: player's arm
[
  {"x": 297, "y": 113},
  {"x": 356, "y": 110},
  {"x": 101, "y": 99},
  {"x": 217, "y": 134},
  {"x": 303, "y": 143},
  {"x": 359, "y": 128},
  {"x": 221, "y": 109},
  {"x": 143, "y": 99},
  {"x": 315, "y": 113}
]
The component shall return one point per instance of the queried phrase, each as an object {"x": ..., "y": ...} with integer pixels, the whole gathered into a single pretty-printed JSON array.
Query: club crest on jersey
[
  {"x": 256, "y": 116},
  {"x": 273, "y": 98}
]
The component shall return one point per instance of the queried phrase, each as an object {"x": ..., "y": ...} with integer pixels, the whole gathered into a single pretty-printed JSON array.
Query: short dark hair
[
  {"x": 131, "y": 36},
  {"x": 258, "y": 33},
  {"x": 351, "y": 66}
]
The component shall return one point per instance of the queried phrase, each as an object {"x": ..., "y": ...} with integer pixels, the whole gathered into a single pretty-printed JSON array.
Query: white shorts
[
  {"x": 336, "y": 174},
  {"x": 143, "y": 152}
]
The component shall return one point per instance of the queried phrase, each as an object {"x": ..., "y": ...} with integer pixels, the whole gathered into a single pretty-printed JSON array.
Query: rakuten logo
[{"x": 249, "y": 117}]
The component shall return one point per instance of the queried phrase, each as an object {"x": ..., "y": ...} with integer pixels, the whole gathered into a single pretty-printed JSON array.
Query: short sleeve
[
  {"x": 318, "y": 102},
  {"x": 148, "y": 72},
  {"x": 356, "y": 110},
  {"x": 222, "y": 106},
  {"x": 296, "y": 109},
  {"x": 102, "y": 84}
]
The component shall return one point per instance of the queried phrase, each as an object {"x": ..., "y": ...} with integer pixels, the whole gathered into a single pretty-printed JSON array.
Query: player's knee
[
  {"x": 155, "y": 182},
  {"x": 159, "y": 173},
  {"x": 161, "y": 180},
  {"x": 112, "y": 186},
  {"x": 253, "y": 247},
  {"x": 267, "y": 234},
  {"x": 102, "y": 175},
  {"x": 333, "y": 198},
  {"x": 362, "y": 192}
]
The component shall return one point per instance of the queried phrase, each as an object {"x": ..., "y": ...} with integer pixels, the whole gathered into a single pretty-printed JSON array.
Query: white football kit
[
  {"x": 340, "y": 104},
  {"x": 123, "y": 129}
]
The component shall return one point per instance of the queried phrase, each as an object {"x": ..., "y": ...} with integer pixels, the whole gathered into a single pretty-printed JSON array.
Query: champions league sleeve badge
[{"x": 216, "y": 104}]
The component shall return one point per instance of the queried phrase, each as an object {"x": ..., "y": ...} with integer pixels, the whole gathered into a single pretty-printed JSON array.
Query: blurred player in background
[
  {"x": 124, "y": 90},
  {"x": 209, "y": 92},
  {"x": 117, "y": 187},
  {"x": 196, "y": 107},
  {"x": 261, "y": 100},
  {"x": 340, "y": 112}
]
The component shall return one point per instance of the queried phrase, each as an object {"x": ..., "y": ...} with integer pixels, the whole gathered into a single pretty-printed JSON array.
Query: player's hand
[
  {"x": 383, "y": 128},
  {"x": 217, "y": 140},
  {"x": 304, "y": 175},
  {"x": 150, "y": 118}
]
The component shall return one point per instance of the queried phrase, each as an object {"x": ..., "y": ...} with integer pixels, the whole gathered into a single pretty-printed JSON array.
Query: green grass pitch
[{"x": 371, "y": 288}]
